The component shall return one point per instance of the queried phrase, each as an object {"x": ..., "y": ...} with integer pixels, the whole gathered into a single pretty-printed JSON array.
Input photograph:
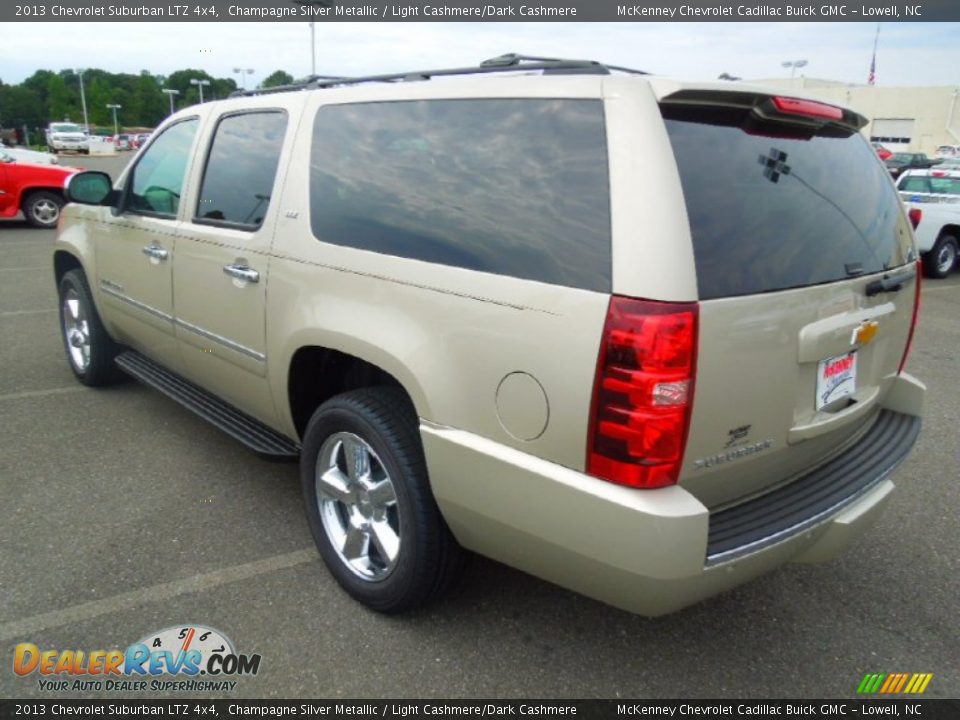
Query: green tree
[
  {"x": 218, "y": 88},
  {"x": 59, "y": 100},
  {"x": 277, "y": 78},
  {"x": 20, "y": 106}
]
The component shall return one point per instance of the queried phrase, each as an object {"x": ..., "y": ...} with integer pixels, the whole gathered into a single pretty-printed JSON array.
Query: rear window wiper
[{"x": 889, "y": 283}]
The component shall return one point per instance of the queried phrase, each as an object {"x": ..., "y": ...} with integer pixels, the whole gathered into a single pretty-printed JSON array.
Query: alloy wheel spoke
[
  {"x": 333, "y": 485},
  {"x": 73, "y": 308},
  {"x": 357, "y": 459},
  {"x": 356, "y": 543},
  {"x": 386, "y": 540},
  {"x": 382, "y": 494}
]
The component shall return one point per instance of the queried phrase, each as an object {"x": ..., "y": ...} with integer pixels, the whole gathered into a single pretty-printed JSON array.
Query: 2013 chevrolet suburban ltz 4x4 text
[{"x": 642, "y": 338}]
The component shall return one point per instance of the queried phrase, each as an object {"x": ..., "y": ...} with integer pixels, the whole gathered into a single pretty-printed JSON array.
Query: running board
[{"x": 265, "y": 442}]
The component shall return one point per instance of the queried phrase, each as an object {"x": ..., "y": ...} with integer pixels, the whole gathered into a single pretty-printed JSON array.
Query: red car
[
  {"x": 37, "y": 190},
  {"x": 881, "y": 151}
]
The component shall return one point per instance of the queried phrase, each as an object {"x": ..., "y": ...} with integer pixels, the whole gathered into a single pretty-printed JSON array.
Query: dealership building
[{"x": 908, "y": 119}]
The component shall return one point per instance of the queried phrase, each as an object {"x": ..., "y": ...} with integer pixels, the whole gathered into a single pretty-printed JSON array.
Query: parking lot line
[
  {"x": 940, "y": 289},
  {"x": 155, "y": 593},
  {"x": 21, "y": 269},
  {"x": 5, "y": 313},
  {"x": 43, "y": 393}
]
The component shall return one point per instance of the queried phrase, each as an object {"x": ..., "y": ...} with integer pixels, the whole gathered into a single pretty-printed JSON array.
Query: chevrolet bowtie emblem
[{"x": 865, "y": 333}]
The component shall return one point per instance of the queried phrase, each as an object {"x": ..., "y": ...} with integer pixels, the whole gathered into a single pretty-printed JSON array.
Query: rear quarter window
[{"x": 515, "y": 187}]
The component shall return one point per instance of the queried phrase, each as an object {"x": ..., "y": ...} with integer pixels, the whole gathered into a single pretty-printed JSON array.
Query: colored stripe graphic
[
  {"x": 871, "y": 683},
  {"x": 894, "y": 683}
]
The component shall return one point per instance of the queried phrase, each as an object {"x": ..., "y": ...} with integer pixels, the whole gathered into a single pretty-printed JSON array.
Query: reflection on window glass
[
  {"x": 915, "y": 184},
  {"x": 514, "y": 187},
  {"x": 241, "y": 169},
  {"x": 158, "y": 177},
  {"x": 945, "y": 185},
  {"x": 771, "y": 210}
]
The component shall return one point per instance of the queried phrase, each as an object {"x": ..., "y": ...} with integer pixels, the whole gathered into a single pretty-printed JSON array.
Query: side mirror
[{"x": 89, "y": 188}]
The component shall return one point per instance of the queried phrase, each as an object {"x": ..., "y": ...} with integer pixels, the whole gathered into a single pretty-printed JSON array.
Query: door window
[
  {"x": 157, "y": 180},
  {"x": 241, "y": 169}
]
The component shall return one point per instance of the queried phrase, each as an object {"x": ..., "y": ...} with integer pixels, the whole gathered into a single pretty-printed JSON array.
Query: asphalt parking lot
[{"x": 124, "y": 514}]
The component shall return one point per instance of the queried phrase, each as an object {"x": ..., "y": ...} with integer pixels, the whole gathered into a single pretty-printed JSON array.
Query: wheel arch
[
  {"x": 950, "y": 229},
  {"x": 25, "y": 192},
  {"x": 63, "y": 262},
  {"x": 317, "y": 371}
]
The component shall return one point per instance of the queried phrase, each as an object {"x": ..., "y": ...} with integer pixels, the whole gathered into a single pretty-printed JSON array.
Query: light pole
[
  {"x": 794, "y": 65},
  {"x": 243, "y": 73},
  {"x": 116, "y": 127},
  {"x": 313, "y": 44},
  {"x": 199, "y": 84},
  {"x": 170, "y": 93},
  {"x": 83, "y": 100}
]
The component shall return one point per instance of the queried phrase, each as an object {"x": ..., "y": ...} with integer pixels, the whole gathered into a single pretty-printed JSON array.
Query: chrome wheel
[
  {"x": 358, "y": 506},
  {"x": 76, "y": 330},
  {"x": 45, "y": 211},
  {"x": 946, "y": 258}
]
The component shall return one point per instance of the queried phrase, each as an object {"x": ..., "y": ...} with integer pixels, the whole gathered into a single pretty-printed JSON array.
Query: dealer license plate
[{"x": 836, "y": 378}]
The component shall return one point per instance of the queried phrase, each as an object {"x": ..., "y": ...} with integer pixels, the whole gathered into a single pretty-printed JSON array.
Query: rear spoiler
[{"x": 812, "y": 114}]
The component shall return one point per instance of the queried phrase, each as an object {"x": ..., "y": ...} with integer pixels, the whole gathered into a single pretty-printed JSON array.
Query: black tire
[
  {"x": 428, "y": 558},
  {"x": 99, "y": 368},
  {"x": 42, "y": 208},
  {"x": 942, "y": 257}
]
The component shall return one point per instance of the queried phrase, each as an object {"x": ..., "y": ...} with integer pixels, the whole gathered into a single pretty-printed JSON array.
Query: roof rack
[{"x": 511, "y": 62}]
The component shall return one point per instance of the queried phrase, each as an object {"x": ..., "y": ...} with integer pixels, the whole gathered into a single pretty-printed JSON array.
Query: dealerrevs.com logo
[{"x": 184, "y": 658}]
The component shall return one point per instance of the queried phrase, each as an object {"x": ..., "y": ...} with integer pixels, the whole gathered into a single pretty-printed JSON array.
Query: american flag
[{"x": 872, "y": 77}]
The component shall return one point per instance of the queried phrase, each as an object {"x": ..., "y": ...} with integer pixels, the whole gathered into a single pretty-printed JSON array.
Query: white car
[
  {"x": 933, "y": 201},
  {"x": 948, "y": 151},
  {"x": 29, "y": 156},
  {"x": 66, "y": 136}
]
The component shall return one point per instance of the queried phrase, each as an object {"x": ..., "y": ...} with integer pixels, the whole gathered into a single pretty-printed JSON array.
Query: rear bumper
[{"x": 656, "y": 551}]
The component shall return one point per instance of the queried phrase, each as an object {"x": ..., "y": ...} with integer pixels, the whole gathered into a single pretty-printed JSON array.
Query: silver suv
[{"x": 642, "y": 338}]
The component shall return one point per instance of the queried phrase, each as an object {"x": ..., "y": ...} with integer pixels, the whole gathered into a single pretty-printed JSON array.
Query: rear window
[
  {"x": 771, "y": 210},
  {"x": 515, "y": 187}
]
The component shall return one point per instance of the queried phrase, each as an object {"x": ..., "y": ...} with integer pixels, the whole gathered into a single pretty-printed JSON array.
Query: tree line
[{"x": 48, "y": 96}]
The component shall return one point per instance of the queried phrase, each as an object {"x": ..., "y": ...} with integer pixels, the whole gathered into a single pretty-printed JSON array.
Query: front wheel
[
  {"x": 942, "y": 258},
  {"x": 90, "y": 349},
  {"x": 42, "y": 208},
  {"x": 369, "y": 504}
]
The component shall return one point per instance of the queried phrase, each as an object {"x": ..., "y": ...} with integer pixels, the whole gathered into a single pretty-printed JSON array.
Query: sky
[{"x": 908, "y": 54}]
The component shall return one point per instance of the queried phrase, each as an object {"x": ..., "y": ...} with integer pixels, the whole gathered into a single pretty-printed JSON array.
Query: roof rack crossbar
[{"x": 511, "y": 62}]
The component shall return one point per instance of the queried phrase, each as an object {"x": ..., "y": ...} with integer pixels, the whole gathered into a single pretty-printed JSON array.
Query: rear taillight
[
  {"x": 809, "y": 108},
  {"x": 643, "y": 392},
  {"x": 915, "y": 215},
  {"x": 913, "y": 320}
]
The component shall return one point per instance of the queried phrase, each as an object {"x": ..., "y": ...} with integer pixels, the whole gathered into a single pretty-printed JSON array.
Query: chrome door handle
[
  {"x": 242, "y": 272},
  {"x": 156, "y": 252}
]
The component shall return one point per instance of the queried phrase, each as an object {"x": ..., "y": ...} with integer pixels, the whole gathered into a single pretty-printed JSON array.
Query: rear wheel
[
  {"x": 369, "y": 504},
  {"x": 42, "y": 208},
  {"x": 942, "y": 258}
]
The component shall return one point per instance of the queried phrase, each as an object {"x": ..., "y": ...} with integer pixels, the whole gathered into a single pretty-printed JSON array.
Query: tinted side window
[
  {"x": 915, "y": 184},
  {"x": 158, "y": 177},
  {"x": 771, "y": 209},
  {"x": 241, "y": 169},
  {"x": 514, "y": 187},
  {"x": 945, "y": 185}
]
